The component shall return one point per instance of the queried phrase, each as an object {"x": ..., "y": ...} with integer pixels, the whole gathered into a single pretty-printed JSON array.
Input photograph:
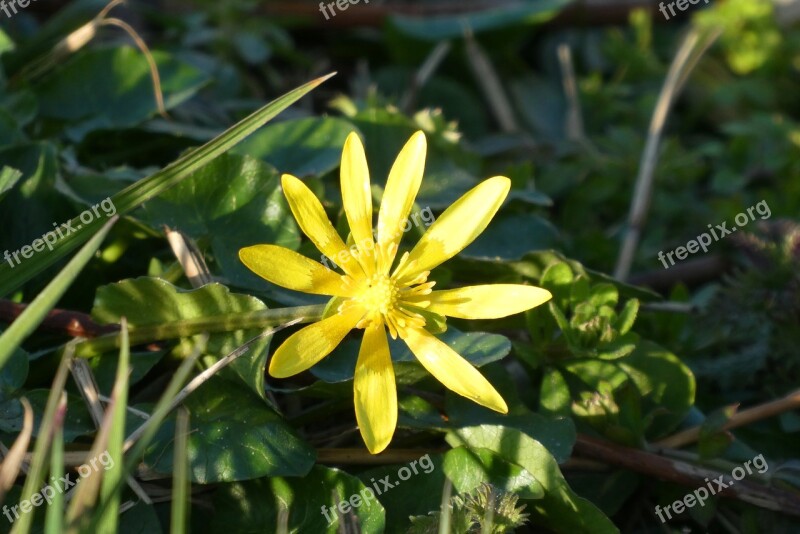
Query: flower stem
[{"x": 260, "y": 319}]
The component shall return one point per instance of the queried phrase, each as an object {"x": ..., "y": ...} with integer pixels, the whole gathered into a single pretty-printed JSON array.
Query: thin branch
[
  {"x": 574, "y": 119},
  {"x": 189, "y": 256},
  {"x": 489, "y": 82},
  {"x": 745, "y": 417},
  {"x": 686, "y": 474},
  {"x": 13, "y": 461},
  {"x": 151, "y": 62},
  {"x": 68, "y": 322},
  {"x": 678, "y": 72}
]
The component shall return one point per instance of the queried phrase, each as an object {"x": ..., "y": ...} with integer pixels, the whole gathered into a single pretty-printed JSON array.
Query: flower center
[{"x": 380, "y": 295}]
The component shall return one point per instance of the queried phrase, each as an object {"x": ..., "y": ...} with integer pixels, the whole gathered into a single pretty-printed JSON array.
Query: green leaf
[
  {"x": 420, "y": 494},
  {"x": 450, "y": 171},
  {"x": 152, "y": 301},
  {"x": 302, "y": 147},
  {"x": 8, "y": 177},
  {"x": 555, "y": 397},
  {"x": 714, "y": 440},
  {"x": 534, "y": 265},
  {"x": 619, "y": 348},
  {"x": 13, "y": 373},
  {"x": 603, "y": 294},
  {"x": 139, "y": 518},
  {"x": 148, "y": 188},
  {"x": 505, "y": 239},
  {"x": 627, "y": 316},
  {"x": 30, "y": 206},
  {"x": 542, "y": 105},
  {"x": 6, "y": 44},
  {"x": 77, "y": 423},
  {"x": 233, "y": 202},
  {"x": 120, "y": 85},
  {"x": 467, "y": 469},
  {"x": 557, "y": 434},
  {"x": 104, "y": 368},
  {"x": 665, "y": 383},
  {"x": 256, "y": 505},
  {"x": 436, "y": 28},
  {"x": 560, "y": 510},
  {"x": 557, "y": 278},
  {"x": 233, "y": 436}
]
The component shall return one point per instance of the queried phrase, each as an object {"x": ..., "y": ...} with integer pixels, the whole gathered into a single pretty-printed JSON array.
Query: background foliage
[{"x": 624, "y": 363}]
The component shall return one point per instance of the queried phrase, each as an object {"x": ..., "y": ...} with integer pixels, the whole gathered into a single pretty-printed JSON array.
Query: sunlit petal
[
  {"x": 311, "y": 218},
  {"x": 306, "y": 347},
  {"x": 401, "y": 190},
  {"x": 291, "y": 270},
  {"x": 457, "y": 227},
  {"x": 375, "y": 394},
  {"x": 356, "y": 196},
  {"x": 456, "y": 373},
  {"x": 485, "y": 302}
]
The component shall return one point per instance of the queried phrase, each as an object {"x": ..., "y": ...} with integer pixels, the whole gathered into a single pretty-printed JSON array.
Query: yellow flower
[{"x": 371, "y": 296}]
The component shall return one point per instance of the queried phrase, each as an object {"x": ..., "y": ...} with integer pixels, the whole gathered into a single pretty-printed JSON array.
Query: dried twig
[
  {"x": 68, "y": 322},
  {"x": 691, "y": 49},
  {"x": 745, "y": 417},
  {"x": 574, "y": 119},
  {"x": 687, "y": 474},
  {"x": 13, "y": 461},
  {"x": 489, "y": 82}
]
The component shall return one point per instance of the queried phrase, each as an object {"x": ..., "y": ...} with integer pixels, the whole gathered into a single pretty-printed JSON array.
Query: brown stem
[
  {"x": 363, "y": 457},
  {"x": 745, "y": 417},
  {"x": 588, "y": 12},
  {"x": 71, "y": 323},
  {"x": 688, "y": 475}
]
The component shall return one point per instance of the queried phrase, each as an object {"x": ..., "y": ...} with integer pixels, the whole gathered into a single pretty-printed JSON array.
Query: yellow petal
[
  {"x": 456, "y": 373},
  {"x": 356, "y": 195},
  {"x": 457, "y": 227},
  {"x": 374, "y": 390},
  {"x": 485, "y": 302},
  {"x": 309, "y": 345},
  {"x": 401, "y": 190},
  {"x": 289, "y": 269},
  {"x": 311, "y": 217}
]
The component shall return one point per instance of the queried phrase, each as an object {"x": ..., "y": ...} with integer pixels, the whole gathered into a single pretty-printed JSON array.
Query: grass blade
[
  {"x": 54, "y": 519},
  {"x": 135, "y": 449},
  {"x": 111, "y": 489},
  {"x": 40, "y": 450},
  {"x": 47, "y": 299},
  {"x": 180, "y": 475}
]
